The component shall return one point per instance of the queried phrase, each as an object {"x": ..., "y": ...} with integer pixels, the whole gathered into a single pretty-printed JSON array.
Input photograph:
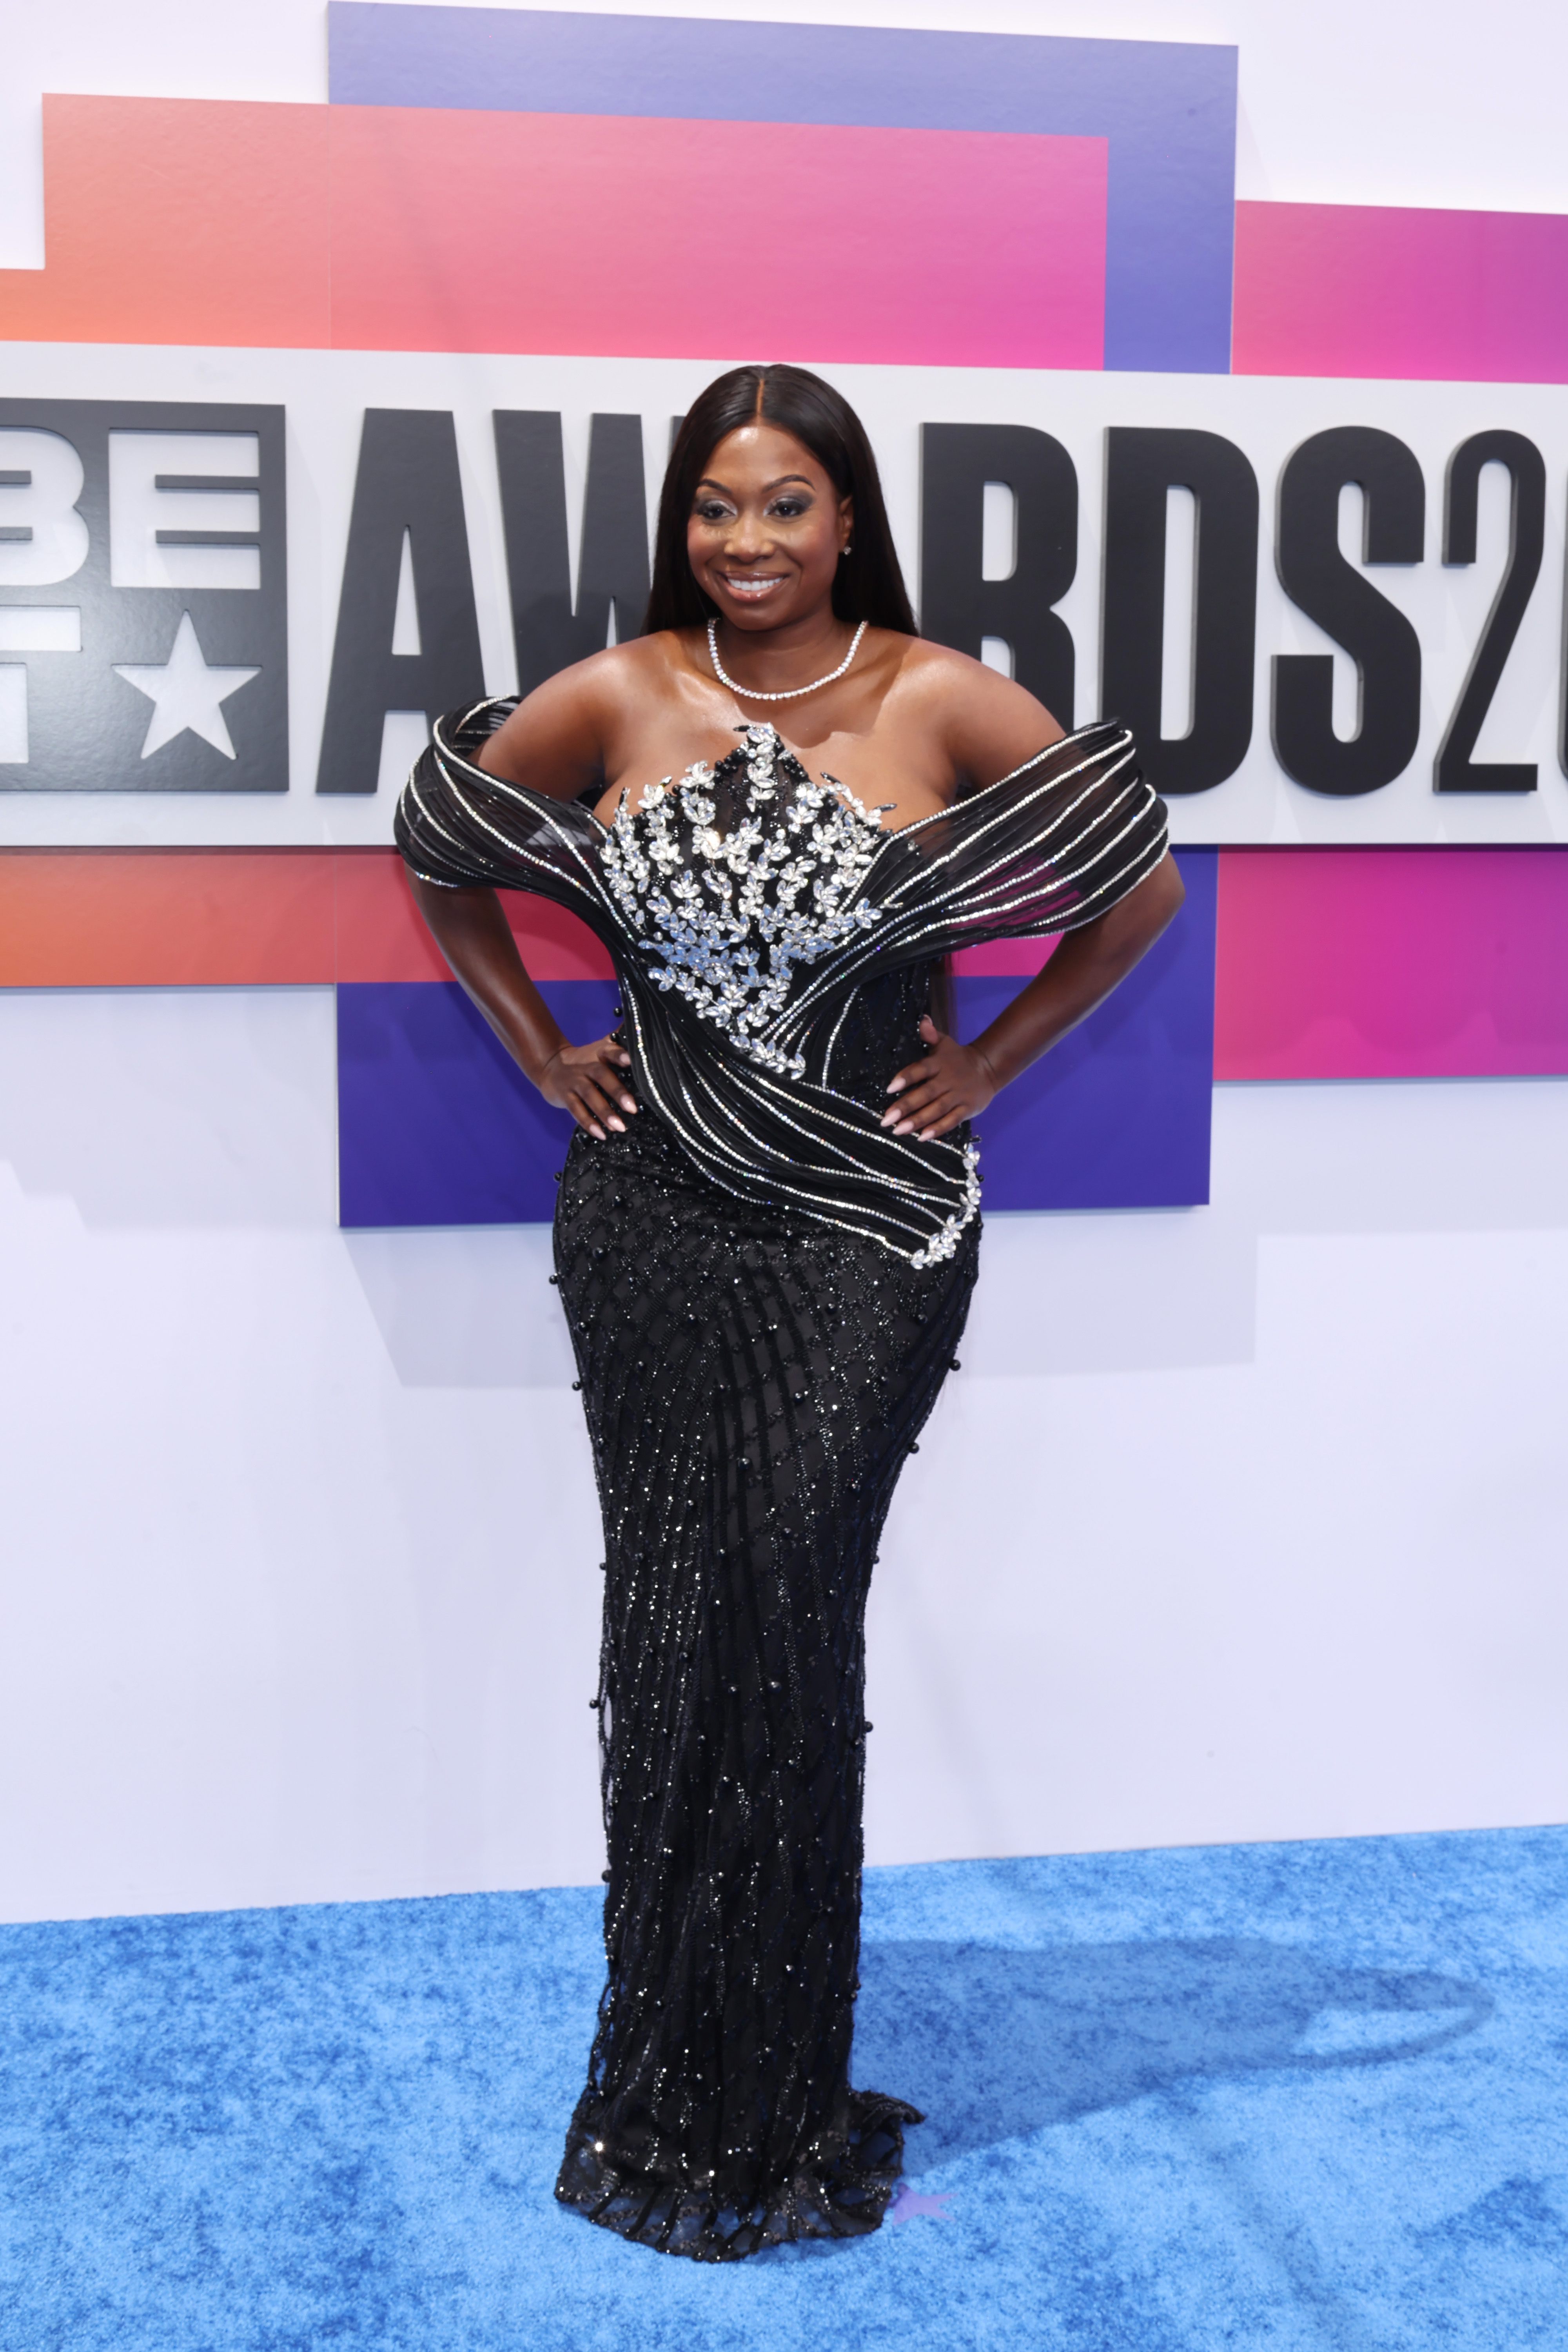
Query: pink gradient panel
[
  {"x": 1389, "y": 963},
  {"x": 467, "y": 231},
  {"x": 1371, "y": 290}
]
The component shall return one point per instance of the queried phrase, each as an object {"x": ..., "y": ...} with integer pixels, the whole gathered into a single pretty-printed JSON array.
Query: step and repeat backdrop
[{"x": 321, "y": 419}]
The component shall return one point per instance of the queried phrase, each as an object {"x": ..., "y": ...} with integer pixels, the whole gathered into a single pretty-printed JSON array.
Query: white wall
[
  {"x": 1241, "y": 1522},
  {"x": 1274, "y": 1542}
]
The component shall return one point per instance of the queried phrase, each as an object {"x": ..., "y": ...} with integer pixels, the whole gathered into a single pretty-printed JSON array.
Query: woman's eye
[
  {"x": 711, "y": 511},
  {"x": 789, "y": 507}
]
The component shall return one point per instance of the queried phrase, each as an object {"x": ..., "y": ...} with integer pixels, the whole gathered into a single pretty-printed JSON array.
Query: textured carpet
[{"x": 1309, "y": 2095}]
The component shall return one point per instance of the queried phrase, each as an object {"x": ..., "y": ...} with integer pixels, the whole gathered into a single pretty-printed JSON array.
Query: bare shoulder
[
  {"x": 989, "y": 724},
  {"x": 606, "y": 682},
  {"x": 555, "y": 739}
]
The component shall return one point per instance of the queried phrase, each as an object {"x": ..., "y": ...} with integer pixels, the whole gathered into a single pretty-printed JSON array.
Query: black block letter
[
  {"x": 1457, "y": 772},
  {"x": 613, "y": 569},
  {"x": 1142, "y": 465},
  {"x": 958, "y": 607},
  {"x": 1347, "y": 606},
  {"x": 407, "y": 481}
]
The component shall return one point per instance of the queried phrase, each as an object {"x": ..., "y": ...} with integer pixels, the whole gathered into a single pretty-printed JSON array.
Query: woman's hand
[
  {"x": 579, "y": 1078},
  {"x": 953, "y": 1083},
  {"x": 476, "y": 938},
  {"x": 956, "y": 1082}
]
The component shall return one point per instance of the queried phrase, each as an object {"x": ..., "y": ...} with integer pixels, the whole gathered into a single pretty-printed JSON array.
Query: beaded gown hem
[{"x": 839, "y": 2189}]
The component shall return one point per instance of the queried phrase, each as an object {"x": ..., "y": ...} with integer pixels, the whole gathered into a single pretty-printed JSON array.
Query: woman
[{"x": 780, "y": 809}]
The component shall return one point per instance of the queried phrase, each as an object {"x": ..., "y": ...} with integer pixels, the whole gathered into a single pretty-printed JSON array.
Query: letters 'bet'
[{"x": 144, "y": 598}]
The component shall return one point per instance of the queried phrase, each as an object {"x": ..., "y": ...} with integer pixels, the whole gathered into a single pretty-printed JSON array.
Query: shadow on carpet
[{"x": 1309, "y": 2095}]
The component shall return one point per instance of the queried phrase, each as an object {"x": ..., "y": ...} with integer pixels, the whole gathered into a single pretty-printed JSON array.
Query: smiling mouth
[{"x": 752, "y": 586}]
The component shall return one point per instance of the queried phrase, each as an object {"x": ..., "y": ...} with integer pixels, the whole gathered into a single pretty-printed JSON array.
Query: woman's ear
[{"x": 846, "y": 525}]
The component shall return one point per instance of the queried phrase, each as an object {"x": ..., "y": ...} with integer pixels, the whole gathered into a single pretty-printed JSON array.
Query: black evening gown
[{"x": 764, "y": 1290}]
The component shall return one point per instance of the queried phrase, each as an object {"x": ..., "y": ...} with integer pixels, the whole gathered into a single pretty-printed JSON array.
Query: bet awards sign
[{"x": 1330, "y": 610}]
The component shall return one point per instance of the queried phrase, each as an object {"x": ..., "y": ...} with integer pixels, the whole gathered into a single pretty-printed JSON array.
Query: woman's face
[{"x": 767, "y": 529}]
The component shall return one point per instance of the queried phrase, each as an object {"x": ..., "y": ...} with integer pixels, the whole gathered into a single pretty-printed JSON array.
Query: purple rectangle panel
[
  {"x": 438, "y": 1125},
  {"x": 1117, "y": 1116},
  {"x": 1166, "y": 108}
]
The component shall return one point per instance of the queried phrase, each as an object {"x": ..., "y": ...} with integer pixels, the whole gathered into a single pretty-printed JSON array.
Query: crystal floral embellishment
[{"x": 729, "y": 916}]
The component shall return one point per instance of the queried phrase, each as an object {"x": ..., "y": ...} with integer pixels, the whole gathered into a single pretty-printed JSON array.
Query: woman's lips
[{"x": 751, "y": 589}]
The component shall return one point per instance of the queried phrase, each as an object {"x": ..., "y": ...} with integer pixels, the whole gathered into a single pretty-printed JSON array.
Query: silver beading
[{"x": 712, "y": 908}]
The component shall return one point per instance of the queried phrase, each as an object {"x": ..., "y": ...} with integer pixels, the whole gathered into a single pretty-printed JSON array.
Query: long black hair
[{"x": 869, "y": 584}]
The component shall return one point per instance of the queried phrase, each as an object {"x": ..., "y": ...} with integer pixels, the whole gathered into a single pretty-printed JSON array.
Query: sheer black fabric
[{"x": 764, "y": 1293}]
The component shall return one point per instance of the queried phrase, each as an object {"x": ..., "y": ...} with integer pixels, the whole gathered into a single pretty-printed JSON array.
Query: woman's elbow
[{"x": 1163, "y": 893}]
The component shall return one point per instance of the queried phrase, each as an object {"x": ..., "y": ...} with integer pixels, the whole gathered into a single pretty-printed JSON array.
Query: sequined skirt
[{"x": 753, "y": 1387}]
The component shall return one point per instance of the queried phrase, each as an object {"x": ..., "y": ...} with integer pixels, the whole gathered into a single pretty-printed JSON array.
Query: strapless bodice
[
  {"x": 735, "y": 879},
  {"x": 751, "y": 909}
]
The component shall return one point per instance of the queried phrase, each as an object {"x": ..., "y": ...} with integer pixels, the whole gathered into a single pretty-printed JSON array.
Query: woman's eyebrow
[{"x": 708, "y": 483}]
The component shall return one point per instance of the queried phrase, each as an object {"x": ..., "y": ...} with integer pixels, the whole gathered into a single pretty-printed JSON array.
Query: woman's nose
[{"x": 748, "y": 535}]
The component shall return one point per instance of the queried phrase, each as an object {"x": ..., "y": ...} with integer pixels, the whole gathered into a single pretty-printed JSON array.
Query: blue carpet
[{"x": 1308, "y": 2095}]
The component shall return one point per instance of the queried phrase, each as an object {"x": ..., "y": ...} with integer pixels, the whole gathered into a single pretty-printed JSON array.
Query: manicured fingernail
[{"x": 617, "y": 1126}]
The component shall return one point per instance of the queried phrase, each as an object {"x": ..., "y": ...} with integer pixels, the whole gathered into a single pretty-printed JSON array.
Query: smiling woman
[{"x": 767, "y": 1233}]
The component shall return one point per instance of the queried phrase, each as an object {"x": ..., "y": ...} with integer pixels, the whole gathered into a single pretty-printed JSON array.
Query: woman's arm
[
  {"x": 991, "y": 728},
  {"x": 552, "y": 741},
  {"x": 475, "y": 936},
  {"x": 956, "y": 1082}
]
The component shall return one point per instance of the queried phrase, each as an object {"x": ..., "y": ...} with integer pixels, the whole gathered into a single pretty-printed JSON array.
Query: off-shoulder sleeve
[
  {"x": 1048, "y": 848},
  {"x": 460, "y": 826}
]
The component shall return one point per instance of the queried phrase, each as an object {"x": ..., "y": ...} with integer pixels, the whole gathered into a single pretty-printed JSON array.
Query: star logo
[{"x": 186, "y": 691}]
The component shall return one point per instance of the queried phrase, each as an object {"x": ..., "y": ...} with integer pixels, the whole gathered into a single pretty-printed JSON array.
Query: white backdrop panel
[{"x": 326, "y": 392}]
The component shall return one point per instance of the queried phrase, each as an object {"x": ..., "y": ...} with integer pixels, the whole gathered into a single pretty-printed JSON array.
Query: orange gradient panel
[
  {"x": 382, "y": 935},
  {"x": 165, "y": 917},
  {"x": 242, "y": 917},
  {"x": 392, "y": 228},
  {"x": 179, "y": 221}
]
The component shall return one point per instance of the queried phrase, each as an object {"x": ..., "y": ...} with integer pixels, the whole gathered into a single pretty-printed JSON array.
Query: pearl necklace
[{"x": 751, "y": 694}]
